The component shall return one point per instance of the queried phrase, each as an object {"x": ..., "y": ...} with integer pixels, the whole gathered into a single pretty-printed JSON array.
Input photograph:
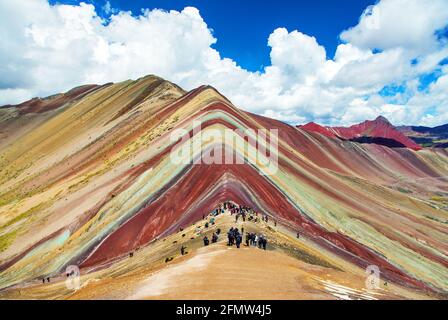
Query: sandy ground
[
  {"x": 290, "y": 269},
  {"x": 221, "y": 272}
]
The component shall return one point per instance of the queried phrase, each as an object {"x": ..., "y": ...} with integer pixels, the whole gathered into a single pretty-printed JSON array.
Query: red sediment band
[
  {"x": 379, "y": 128},
  {"x": 166, "y": 212},
  {"x": 199, "y": 188}
]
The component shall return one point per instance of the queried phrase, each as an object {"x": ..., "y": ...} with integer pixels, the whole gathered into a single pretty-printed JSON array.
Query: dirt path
[
  {"x": 220, "y": 272},
  {"x": 290, "y": 269}
]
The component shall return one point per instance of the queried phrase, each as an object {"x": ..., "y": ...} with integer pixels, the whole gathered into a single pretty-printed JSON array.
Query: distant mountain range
[
  {"x": 381, "y": 131},
  {"x": 427, "y": 137}
]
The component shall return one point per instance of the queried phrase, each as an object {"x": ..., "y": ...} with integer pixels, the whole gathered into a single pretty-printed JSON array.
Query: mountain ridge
[
  {"x": 93, "y": 181},
  {"x": 378, "y": 128}
]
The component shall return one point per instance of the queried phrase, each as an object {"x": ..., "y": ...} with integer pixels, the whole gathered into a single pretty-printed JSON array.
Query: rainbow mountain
[{"x": 86, "y": 179}]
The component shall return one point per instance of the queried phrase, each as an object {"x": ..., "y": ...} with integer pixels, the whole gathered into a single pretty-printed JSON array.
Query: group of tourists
[
  {"x": 260, "y": 240},
  {"x": 234, "y": 237},
  {"x": 215, "y": 238},
  {"x": 252, "y": 239},
  {"x": 221, "y": 209}
]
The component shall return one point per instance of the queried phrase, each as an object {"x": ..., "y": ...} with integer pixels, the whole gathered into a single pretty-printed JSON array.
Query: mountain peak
[
  {"x": 378, "y": 128},
  {"x": 381, "y": 119},
  {"x": 312, "y": 126}
]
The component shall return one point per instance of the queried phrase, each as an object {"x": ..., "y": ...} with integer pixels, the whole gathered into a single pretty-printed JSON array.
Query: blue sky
[
  {"x": 243, "y": 26},
  {"x": 328, "y": 61}
]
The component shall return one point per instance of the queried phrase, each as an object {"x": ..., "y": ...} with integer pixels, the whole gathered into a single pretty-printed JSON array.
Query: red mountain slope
[{"x": 380, "y": 128}]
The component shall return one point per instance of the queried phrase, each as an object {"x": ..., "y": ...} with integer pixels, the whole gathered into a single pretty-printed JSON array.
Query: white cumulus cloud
[{"x": 51, "y": 48}]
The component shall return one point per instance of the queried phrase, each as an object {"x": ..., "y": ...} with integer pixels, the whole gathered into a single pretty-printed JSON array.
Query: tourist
[
  {"x": 182, "y": 250},
  {"x": 238, "y": 240},
  {"x": 230, "y": 236},
  {"x": 206, "y": 241},
  {"x": 265, "y": 242},
  {"x": 214, "y": 238},
  {"x": 260, "y": 241}
]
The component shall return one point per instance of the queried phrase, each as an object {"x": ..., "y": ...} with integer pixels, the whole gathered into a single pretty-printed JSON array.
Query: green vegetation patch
[
  {"x": 22, "y": 216},
  {"x": 305, "y": 256},
  {"x": 437, "y": 220},
  {"x": 403, "y": 190},
  {"x": 7, "y": 239},
  {"x": 439, "y": 199}
]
